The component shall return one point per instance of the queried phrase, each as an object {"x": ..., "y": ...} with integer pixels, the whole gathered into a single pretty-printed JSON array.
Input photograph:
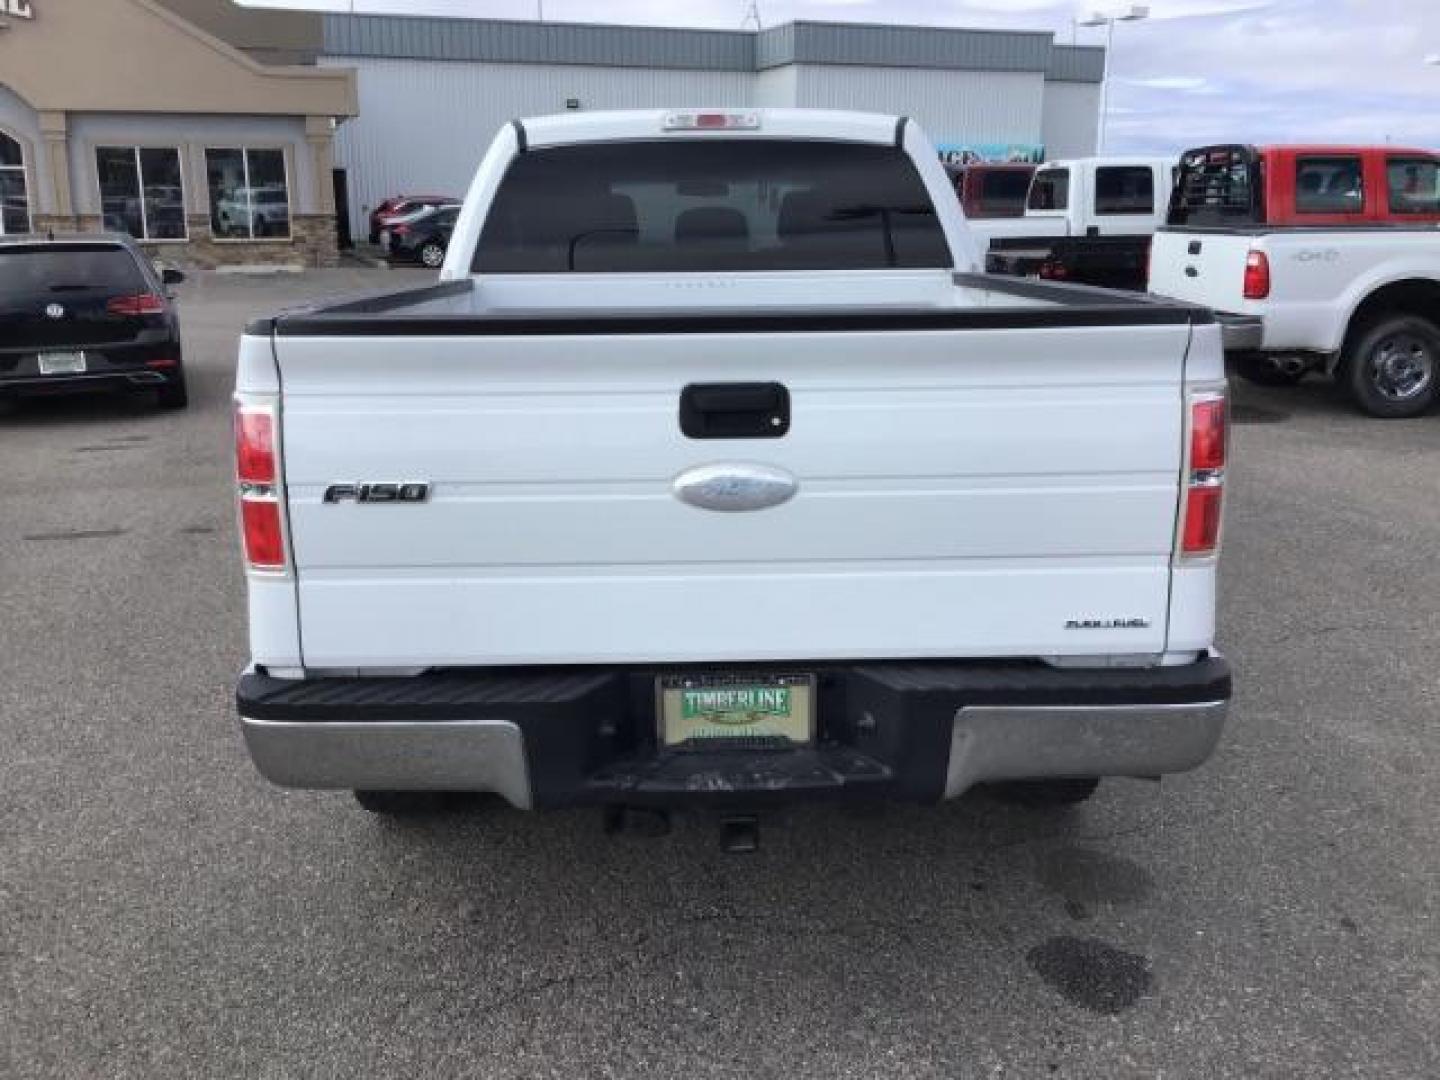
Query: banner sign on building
[{"x": 968, "y": 153}]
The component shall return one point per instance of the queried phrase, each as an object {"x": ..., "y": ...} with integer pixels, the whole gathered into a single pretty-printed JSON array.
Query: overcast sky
[{"x": 1197, "y": 71}]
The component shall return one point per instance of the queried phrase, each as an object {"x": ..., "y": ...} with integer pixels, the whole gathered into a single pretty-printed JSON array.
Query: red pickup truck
[{"x": 1318, "y": 259}]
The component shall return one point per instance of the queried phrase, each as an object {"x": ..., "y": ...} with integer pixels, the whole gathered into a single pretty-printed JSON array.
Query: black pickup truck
[{"x": 87, "y": 312}]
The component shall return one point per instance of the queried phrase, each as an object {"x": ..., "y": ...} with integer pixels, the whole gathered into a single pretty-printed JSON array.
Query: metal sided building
[{"x": 433, "y": 91}]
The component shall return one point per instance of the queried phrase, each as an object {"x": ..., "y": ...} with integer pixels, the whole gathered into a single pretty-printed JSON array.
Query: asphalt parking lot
[{"x": 165, "y": 912}]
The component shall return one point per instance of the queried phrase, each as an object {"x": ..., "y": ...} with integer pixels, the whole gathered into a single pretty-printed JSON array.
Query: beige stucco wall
[
  {"x": 272, "y": 37},
  {"x": 89, "y": 73},
  {"x": 137, "y": 56}
]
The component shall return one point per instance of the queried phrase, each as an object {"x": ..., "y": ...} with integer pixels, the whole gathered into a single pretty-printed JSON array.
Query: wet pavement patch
[{"x": 1091, "y": 974}]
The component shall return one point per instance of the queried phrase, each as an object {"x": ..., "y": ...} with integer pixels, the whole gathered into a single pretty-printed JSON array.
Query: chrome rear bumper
[{"x": 916, "y": 731}]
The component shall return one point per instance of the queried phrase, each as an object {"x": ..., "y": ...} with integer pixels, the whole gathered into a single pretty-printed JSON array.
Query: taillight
[
  {"x": 254, "y": 445},
  {"x": 138, "y": 304},
  {"x": 257, "y": 478},
  {"x": 1050, "y": 270},
  {"x": 260, "y": 527},
  {"x": 1206, "y": 454},
  {"x": 1257, "y": 276},
  {"x": 399, "y": 230}
]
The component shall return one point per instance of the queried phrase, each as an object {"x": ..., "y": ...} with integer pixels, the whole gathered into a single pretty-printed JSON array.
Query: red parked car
[{"x": 399, "y": 205}]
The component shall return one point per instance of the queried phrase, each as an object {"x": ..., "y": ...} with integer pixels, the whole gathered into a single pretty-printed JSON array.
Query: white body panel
[{"x": 1318, "y": 278}]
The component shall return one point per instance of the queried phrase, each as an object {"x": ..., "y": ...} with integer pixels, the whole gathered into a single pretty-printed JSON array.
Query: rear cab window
[
  {"x": 1124, "y": 189},
  {"x": 1413, "y": 184},
  {"x": 1004, "y": 191},
  {"x": 732, "y": 205},
  {"x": 1050, "y": 190},
  {"x": 1329, "y": 185},
  {"x": 28, "y": 273}
]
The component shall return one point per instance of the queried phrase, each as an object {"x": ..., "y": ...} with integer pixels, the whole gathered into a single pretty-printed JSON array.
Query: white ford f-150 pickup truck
[{"x": 713, "y": 471}]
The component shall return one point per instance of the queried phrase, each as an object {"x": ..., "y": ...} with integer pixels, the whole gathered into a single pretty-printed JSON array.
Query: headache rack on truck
[{"x": 1218, "y": 187}]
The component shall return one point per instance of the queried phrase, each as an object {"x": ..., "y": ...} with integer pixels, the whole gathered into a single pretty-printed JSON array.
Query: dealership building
[
  {"x": 434, "y": 91},
  {"x": 219, "y": 135}
]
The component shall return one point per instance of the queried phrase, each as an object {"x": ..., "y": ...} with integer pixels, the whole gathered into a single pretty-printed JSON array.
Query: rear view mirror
[{"x": 171, "y": 276}]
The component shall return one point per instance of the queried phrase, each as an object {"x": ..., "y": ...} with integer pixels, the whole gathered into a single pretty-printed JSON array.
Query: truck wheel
[
  {"x": 1039, "y": 793},
  {"x": 432, "y": 255},
  {"x": 1263, "y": 369},
  {"x": 1390, "y": 367},
  {"x": 398, "y": 803}
]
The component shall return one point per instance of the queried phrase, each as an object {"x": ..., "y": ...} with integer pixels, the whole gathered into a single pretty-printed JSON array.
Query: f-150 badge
[{"x": 409, "y": 491}]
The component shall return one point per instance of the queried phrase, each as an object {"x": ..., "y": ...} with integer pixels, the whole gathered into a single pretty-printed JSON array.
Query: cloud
[{"x": 1172, "y": 82}]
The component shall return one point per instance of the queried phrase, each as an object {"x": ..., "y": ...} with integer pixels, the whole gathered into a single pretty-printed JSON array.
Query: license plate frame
[
  {"x": 771, "y": 707},
  {"x": 71, "y": 362}
]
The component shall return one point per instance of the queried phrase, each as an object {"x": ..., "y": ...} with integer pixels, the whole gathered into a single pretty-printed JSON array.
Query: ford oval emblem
[{"x": 735, "y": 486}]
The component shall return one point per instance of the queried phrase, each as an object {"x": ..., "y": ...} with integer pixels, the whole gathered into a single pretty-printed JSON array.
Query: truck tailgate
[
  {"x": 1206, "y": 268},
  {"x": 960, "y": 493}
]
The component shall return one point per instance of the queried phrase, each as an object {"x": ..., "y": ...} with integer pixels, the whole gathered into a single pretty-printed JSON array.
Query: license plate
[
  {"x": 701, "y": 709},
  {"x": 62, "y": 363}
]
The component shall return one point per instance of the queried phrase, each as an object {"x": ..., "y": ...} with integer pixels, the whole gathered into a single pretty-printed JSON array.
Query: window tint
[
  {"x": 141, "y": 191},
  {"x": 31, "y": 273},
  {"x": 1329, "y": 185},
  {"x": 688, "y": 205},
  {"x": 1414, "y": 185},
  {"x": 1004, "y": 190},
  {"x": 1051, "y": 190},
  {"x": 1124, "y": 189},
  {"x": 249, "y": 195}
]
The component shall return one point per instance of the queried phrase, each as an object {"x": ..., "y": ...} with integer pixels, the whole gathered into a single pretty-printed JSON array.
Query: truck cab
[
  {"x": 1304, "y": 187},
  {"x": 1087, "y": 220}
]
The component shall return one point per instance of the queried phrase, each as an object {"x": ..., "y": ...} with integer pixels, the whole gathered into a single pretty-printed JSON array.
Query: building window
[
  {"x": 249, "y": 194},
  {"x": 1329, "y": 185},
  {"x": 1124, "y": 189},
  {"x": 14, "y": 199},
  {"x": 141, "y": 191}
]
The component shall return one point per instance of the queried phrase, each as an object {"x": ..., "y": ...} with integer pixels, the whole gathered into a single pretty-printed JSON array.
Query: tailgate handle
[{"x": 735, "y": 410}]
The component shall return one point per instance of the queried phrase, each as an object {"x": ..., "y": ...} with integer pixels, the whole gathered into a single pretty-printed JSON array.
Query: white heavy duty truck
[{"x": 713, "y": 470}]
